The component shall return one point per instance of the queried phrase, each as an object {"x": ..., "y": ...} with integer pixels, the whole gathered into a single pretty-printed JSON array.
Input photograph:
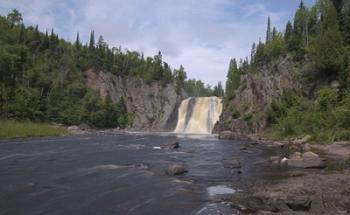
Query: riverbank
[
  {"x": 310, "y": 178},
  {"x": 14, "y": 129}
]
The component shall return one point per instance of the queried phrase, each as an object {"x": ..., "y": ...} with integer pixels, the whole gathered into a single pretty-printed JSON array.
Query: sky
[{"x": 202, "y": 35}]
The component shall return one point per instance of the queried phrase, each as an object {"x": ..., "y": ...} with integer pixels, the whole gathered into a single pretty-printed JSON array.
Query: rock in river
[
  {"x": 227, "y": 135},
  {"x": 305, "y": 160},
  {"x": 174, "y": 144},
  {"x": 232, "y": 163},
  {"x": 176, "y": 169},
  {"x": 299, "y": 203}
]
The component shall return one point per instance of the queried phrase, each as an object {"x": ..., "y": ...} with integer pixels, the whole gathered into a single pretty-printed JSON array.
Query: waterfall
[{"x": 198, "y": 115}]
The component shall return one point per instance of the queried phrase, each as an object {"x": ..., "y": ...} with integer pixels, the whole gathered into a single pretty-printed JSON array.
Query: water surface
[{"x": 107, "y": 173}]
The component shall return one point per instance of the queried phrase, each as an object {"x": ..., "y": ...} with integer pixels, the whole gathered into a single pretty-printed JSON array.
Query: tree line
[
  {"x": 42, "y": 76},
  {"x": 318, "y": 36},
  {"x": 318, "y": 42}
]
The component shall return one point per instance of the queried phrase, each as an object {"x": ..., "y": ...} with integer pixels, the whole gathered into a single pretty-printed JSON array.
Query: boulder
[
  {"x": 310, "y": 155},
  {"x": 76, "y": 130},
  {"x": 174, "y": 144},
  {"x": 176, "y": 169},
  {"x": 299, "y": 203},
  {"x": 302, "y": 140},
  {"x": 305, "y": 160}
]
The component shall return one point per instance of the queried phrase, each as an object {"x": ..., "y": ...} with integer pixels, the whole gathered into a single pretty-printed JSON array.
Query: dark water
[{"x": 109, "y": 173}]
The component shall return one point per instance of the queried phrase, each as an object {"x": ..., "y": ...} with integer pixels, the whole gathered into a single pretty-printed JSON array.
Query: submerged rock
[
  {"x": 232, "y": 163},
  {"x": 176, "y": 169}
]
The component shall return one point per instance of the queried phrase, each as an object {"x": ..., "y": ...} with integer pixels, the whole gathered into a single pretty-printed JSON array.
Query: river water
[{"x": 124, "y": 173}]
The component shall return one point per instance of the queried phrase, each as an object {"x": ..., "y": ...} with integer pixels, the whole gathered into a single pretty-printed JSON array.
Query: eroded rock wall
[
  {"x": 154, "y": 105},
  {"x": 246, "y": 112}
]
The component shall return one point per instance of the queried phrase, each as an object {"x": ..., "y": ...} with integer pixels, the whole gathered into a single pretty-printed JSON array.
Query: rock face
[
  {"x": 256, "y": 92},
  {"x": 155, "y": 106}
]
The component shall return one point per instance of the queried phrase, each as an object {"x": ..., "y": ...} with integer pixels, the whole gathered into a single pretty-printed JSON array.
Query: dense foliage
[
  {"x": 42, "y": 79},
  {"x": 326, "y": 120},
  {"x": 317, "y": 39},
  {"x": 42, "y": 76}
]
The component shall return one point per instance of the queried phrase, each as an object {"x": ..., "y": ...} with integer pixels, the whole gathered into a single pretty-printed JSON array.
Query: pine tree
[
  {"x": 46, "y": 41},
  {"x": 274, "y": 33},
  {"x": 260, "y": 55},
  {"x": 180, "y": 77},
  {"x": 253, "y": 53},
  {"x": 346, "y": 24},
  {"x": 289, "y": 32},
  {"x": 327, "y": 48},
  {"x": 338, "y": 4},
  {"x": 92, "y": 40},
  {"x": 22, "y": 35},
  {"x": 218, "y": 90},
  {"x": 77, "y": 42},
  {"x": 268, "y": 31},
  {"x": 233, "y": 78},
  {"x": 36, "y": 33},
  {"x": 301, "y": 23},
  {"x": 158, "y": 66},
  {"x": 52, "y": 44}
]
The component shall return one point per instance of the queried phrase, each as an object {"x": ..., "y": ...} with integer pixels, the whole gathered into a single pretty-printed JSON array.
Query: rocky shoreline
[{"x": 315, "y": 178}]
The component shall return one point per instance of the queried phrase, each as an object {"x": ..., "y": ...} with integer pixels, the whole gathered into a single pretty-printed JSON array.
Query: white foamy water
[
  {"x": 220, "y": 190},
  {"x": 198, "y": 115}
]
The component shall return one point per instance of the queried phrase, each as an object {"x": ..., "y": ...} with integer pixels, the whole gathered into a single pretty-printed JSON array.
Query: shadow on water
[{"x": 124, "y": 173}]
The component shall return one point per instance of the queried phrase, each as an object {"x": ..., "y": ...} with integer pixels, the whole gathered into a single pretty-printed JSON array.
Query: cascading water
[{"x": 198, "y": 115}]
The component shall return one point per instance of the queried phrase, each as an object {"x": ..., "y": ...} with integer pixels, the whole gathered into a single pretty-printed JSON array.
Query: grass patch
[{"x": 13, "y": 129}]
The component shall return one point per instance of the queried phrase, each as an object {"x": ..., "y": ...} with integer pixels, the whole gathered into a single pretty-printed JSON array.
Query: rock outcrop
[
  {"x": 154, "y": 105},
  {"x": 246, "y": 112},
  {"x": 173, "y": 144},
  {"x": 305, "y": 160}
]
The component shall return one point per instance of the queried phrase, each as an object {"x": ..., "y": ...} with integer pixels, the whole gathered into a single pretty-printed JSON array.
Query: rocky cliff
[
  {"x": 154, "y": 105},
  {"x": 246, "y": 112}
]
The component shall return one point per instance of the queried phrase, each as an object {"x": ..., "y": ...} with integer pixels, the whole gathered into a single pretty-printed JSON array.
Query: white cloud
[{"x": 201, "y": 35}]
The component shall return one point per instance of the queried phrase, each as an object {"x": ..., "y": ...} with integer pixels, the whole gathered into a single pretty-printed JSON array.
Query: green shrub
[
  {"x": 326, "y": 120},
  {"x": 235, "y": 113},
  {"x": 248, "y": 118},
  {"x": 327, "y": 98}
]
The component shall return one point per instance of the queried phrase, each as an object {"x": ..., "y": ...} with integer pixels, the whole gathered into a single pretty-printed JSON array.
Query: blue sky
[{"x": 201, "y": 35}]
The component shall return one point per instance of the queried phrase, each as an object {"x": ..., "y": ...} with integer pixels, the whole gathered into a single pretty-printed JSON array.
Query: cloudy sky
[{"x": 202, "y": 35}]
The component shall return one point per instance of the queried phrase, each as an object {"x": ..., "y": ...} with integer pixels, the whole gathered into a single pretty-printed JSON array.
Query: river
[{"x": 122, "y": 173}]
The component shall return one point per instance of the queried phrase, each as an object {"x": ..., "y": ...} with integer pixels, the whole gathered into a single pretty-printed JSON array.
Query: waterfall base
[{"x": 198, "y": 115}]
